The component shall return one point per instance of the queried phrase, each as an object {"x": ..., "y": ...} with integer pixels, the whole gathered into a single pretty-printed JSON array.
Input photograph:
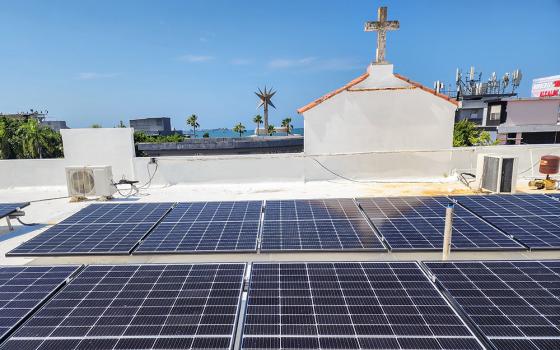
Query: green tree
[
  {"x": 258, "y": 120},
  {"x": 192, "y": 121},
  {"x": 121, "y": 124},
  {"x": 239, "y": 128},
  {"x": 271, "y": 130},
  {"x": 467, "y": 133},
  {"x": 206, "y": 135},
  {"x": 96, "y": 126},
  {"x": 33, "y": 137},
  {"x": 286, "y": 123}
]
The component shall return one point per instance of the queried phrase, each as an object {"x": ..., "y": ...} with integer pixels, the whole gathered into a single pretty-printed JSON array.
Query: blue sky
[{"x": 104, "y": 61}]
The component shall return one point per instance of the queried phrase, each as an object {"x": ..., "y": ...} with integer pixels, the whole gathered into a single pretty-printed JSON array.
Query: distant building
[
  {"x": 40, "y": 116},
  {"x": 531, "y": 121},
  {"x": 487, "y": 111},
  {"x": 153, "y": 126},
  {"x": 56, "y": 125}
]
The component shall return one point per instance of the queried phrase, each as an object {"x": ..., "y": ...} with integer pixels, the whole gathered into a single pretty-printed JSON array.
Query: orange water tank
[{"x": 549, "y": 165}]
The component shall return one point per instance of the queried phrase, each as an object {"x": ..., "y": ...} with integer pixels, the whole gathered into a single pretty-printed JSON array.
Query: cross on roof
[{"x": 381, "y": 26}]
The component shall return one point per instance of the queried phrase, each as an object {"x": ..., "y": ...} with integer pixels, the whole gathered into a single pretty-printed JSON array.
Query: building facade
[{"x": 152, "y": 126}]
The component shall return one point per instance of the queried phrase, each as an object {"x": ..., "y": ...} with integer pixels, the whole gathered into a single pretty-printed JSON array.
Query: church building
[{"x": 379, "y": 110}]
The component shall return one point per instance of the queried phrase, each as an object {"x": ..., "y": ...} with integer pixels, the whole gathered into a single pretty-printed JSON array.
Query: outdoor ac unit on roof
[
  {"x": 496, "y": 173},
  {"x": 90, "y": 181}
]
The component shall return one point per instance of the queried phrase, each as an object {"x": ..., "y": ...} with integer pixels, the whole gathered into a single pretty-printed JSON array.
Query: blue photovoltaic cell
[
  {"x": 139, "y": 307},
  {"x": 408, "y": 207},
  {"x": 84, "y": 239},
  {"x": 206, "y": 227},
  {"x": 191, "y": 237},
  {"x": 510, "y": 205},
  {"x": 8, "y": 208},
  {"x": 120, "y": 213},
  {"x": 469, "y": 233},
  {"x": 24, "y": 288},
  {"x": 514, "y": 304},
  {"x": 215, "y": 211},
  {"x": 316, "y": 224},
  {"x": 533, "y": 220},
  {"x": 355, "y": 305}
]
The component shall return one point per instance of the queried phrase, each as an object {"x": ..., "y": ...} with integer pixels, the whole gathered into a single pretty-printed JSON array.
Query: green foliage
[
  {"x": 27, "y": 138},
  {"x": 271, "y": 130},
  {"x": 206, "y": 135},
  {"x": 286, "y": 123},
  {"x": 96, "y": 126},
  {"x": 142, "y": 137},
  {"x": 239, "y": 128},
  {"x": 192, "y": 121},
  {"x": 466, "y": 133},
  {"x": 121, "y": 124}
]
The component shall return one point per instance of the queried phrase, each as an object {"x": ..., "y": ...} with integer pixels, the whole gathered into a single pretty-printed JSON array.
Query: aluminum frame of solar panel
[
  {"x": 8, "y": 208},
  {"x": 206, "y": 227},
  {"x": 538, "y": 233},
  {"x": 23, "y": 289},
  {"x": 510, "y": 205},
  {"x": 514, "y": 304},
  {"x": 139, "y": 306},
  {"x": 469, "y": 234},
  {"x": 408, "y": 207},
  {"x": 119, "y": 213},
  {"x": 84, "y": 239},
  {"x": 373, "y": 305}
]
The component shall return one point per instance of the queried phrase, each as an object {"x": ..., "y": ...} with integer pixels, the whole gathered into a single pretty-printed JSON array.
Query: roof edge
[
  {"x": 333, "y": 93},
  {"x": 427, "y": 89}
]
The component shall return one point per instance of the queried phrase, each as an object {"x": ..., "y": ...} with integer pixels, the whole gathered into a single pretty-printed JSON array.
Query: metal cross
[{"x": 381, "y": 26}]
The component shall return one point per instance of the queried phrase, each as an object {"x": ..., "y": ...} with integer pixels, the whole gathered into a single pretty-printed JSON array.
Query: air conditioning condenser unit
[
  {"x": 90, "y": 181},
  {"x": 496, "y": 173}
]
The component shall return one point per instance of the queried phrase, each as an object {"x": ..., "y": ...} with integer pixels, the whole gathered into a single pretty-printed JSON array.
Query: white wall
[
  {"x": 364, "y": 118},
  {"x": 32, "y": 172},
  {"x": 100, "y": 146}
]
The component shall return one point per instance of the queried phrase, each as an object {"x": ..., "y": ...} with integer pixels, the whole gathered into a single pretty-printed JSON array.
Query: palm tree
[
  {"x": 33, "y": 138},
  {"x": 240, "y": 128},
  {"x": 193, "y": 122},
  {"x": 271, "y": 129},
  {"x": 286, "y": 123},
  {"x": 258, "y": 120}
]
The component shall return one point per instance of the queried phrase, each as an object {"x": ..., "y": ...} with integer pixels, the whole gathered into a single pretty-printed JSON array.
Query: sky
[{"x": 103, "y": 61}]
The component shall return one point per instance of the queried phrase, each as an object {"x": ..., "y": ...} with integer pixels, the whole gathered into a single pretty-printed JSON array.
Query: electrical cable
[
  {"x": 27, "y": 224},
  {"x": 523, "y": 172},
  {"x": 464, "y": 180}
]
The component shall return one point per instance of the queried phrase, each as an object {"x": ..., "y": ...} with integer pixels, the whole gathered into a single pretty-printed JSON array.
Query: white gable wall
[{"x": 379, "y": 120}]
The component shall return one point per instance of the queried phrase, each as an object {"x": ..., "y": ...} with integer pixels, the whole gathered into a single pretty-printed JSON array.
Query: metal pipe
[{"x": 447, "y": 231}]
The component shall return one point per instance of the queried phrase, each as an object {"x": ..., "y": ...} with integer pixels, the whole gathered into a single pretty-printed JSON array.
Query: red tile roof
[{"x": 364, "y": 77}]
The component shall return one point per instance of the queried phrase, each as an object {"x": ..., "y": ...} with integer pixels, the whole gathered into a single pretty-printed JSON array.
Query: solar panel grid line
[
  {"x": 226, "y": 211},
  {"x": 118, "y": 213},
  {"x": 408, "y": 206},
  {"x": 344, "y": 324},
  {"x": 14, "y": 296},
  {"x": 8, "y": 208},
  {"x": 209, "y": 296},
  {"x": 510, "y": 205},
  {"x": 511, "y": 307}
]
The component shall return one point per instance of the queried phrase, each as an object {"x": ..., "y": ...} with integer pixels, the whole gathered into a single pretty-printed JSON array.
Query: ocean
[{"x": 230, "y": 133}]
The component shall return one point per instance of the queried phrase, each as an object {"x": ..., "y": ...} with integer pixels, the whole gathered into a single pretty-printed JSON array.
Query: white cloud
[
  {"x": 316, "y": 64},
  {"x": 196, "y": 58},
  {"x": 94, "y": 75},
  {"x": 241, "y": 61}
]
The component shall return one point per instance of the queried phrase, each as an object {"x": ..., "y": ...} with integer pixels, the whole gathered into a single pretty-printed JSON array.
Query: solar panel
[
  {"x": 84, "y": 239},
  {"x": 514, "y": 304},
  {"x": 408, "y": 207},
  {"x": 510, "y": 205},
  {"x": 349, "y": 306},
  {"x": 139, "y": 307},
  {"x": 215, "y": 211},
  {"x": 535, "y": 232},
  {"x": 120, "y": 213},
  {"x": 427, "y": 234},
  {"x": 206, "y": 227},
  {"x": 24, "y": 288},
  {"x": 312, "y": 209},
  {"x": 8, "y": 208},
  {"x": 191, "y": 237}
]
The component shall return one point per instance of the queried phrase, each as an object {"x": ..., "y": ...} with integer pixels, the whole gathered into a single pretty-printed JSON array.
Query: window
[{"x": 495, "y": 112}]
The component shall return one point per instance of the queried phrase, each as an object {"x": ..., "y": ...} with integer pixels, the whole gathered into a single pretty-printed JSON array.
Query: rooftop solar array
[
  {"x": 327, "y": 224},
  {"x": 97, "y": 229},
  {"x": 139, "y": 307},
  {"x": 349, "y": 306},
  {"x": 206, "y": 227},
  {"x": 24, "y": 288},
  {"x": 417, "y": 223},
  {"x": 533, "y": 220},
  {"x": 514, "y": 304},
  {"x": 8, "y": 208}
]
